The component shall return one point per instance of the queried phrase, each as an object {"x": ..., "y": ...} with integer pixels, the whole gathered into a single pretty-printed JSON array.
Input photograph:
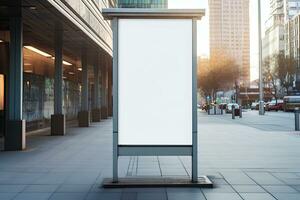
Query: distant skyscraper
[
  {"x": 229, "y": 33},
  {"x": 273, "y": 42},
  {"x": 292, "y": 36},
  {"x": 142, "y": 3},
  {"x": 280, "y": 27},
  {"x": 291, "y": 8},
  {"x": 282, "y": 31}
]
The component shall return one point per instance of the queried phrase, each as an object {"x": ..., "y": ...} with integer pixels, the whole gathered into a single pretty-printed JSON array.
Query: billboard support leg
[
  {"x": 194, "y": 107},
  {"x": 115, "y": 100}
]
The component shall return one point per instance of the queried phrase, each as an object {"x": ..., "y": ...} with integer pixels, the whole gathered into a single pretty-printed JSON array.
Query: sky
[{"x": 203, "y": 28}]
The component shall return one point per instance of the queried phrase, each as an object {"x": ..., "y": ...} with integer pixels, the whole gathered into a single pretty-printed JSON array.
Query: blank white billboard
[{"x": 155, "y": 81}]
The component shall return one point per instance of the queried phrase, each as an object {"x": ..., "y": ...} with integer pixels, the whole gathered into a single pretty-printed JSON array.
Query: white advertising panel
[{"x": 155, "y": 81}]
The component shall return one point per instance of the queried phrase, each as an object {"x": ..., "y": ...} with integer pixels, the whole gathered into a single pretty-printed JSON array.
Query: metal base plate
[{"x": 146, "y": 182}]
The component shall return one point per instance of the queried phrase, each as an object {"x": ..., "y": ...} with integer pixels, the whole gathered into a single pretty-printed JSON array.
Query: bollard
[
  {"x": 215, "y": 110},
  {"x": 241, "y": 112},
  {"x": 297, "y": 112},
  {"x": 233, "y": 111}
]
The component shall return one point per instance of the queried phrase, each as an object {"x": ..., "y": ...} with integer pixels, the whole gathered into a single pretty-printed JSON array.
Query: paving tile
[
  {"x": 222, "y": 196},
  {"x": 237, "y": 178},
  {"x": 183, "y": 190},
  {"x": 24, "y": 178},
  {"x": 7, "y": 196},
  {"x": 68, "y": 196},
  {"x": 11, "y": 188},
  {"x": 40, "y": 188},
  {"x": 219, "y": 181},
  {"x": 74, "y": 188},
  {"x": 264, "y": 178},
  {"x": 248, "y": 189},
  {"x": 219, "y": 189},
  {"x": 284, "y": 175},
  {"x": 291, "y": 181},
  {"x": 32, "y": 196},
  {"x": 152, "y": 196},
  {"x": 186, "y": 195},
  {"x": 296, "y": 187},
  {"x": 104, "y": 196},
  {"x": 279, "y": 189},
  {"x": 82, "y": 178},
  {"x": 257, "y": 196},
  {"x": 50, "y": 179},
  {"x": 287, "y": 196},
  {"x": 129, "y": 196}
]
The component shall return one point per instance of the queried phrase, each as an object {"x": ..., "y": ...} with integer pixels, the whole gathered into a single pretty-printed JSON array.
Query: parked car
[
  {"x": 229, "y": 107},
  {"x": 253, "y": 105},
  {"x": 277, "y": 107},
  {"x": 273, "y": 105}
]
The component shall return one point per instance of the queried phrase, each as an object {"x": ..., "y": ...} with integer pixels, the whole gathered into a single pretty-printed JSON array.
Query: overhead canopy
[{"x": 110, "y": 13}]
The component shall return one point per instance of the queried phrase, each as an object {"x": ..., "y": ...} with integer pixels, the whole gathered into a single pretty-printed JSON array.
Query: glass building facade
[{"x": 142, "y": 3}]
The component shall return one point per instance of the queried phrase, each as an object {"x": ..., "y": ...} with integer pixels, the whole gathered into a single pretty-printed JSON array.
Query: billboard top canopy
[{"x": 110, "y": 13}]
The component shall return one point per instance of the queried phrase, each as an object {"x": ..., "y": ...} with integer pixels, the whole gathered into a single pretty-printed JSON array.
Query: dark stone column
[
  {"x": 104, "y": 75},
  {"x": 84, "y": 114},
  {"x": 96, "y": 112},
  {"x": 58, "y": 122},
  {"x": 15, "y": 138}
]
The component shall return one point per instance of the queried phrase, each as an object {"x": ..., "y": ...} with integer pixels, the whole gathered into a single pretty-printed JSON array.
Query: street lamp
[{"x": 261, "y": 94}]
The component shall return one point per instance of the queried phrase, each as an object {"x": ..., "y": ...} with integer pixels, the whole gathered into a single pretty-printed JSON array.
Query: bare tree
[
  {"x": 271, "y": 76},
  {"x": 285, "y": 68},
  {"x": 219, "y": 73}
]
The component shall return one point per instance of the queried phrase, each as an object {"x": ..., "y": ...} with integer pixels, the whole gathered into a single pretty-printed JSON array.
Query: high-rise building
[
  {"x": 281, "y": 34},
  {"x": 291, "y": 8},
  {"x": 273, "y": 41},
  {"x": 229, "y": 33},
  {"x": 142, "y": 3},
  {"x": 292, "y": 45},
  {"x": 278, "y": 28}
]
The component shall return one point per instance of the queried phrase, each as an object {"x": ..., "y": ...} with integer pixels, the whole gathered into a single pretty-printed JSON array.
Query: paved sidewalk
[{"x": 254, "y": 158}]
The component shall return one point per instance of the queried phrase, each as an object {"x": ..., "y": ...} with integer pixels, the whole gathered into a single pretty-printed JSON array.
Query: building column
[
  {"x": 15, "y": 138},
  {"x": 84, "y": 114},
  {"x": 58, "y": 121},
  {"x": 96, "y": 112},
  {"x": 104, "y": 75}
]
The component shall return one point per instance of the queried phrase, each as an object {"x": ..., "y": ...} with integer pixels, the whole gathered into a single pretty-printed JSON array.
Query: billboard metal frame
[{"x": 115, "y": 14}]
